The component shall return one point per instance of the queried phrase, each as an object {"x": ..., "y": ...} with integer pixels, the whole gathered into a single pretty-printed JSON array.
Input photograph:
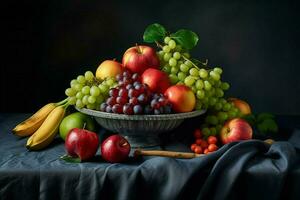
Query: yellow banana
[
  {"x": 48, "y": 130},
  {"x": 30, "y": 125}
]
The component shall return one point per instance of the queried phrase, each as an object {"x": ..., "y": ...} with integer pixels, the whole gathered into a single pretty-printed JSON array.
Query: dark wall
[{"x": 47, "y": 43}]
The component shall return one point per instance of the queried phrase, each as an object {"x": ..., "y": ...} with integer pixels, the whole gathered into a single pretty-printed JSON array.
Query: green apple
[{"x": 76, "y": 120}]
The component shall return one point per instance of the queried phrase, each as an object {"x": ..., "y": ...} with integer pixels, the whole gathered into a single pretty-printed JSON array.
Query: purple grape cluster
[{"x": 133, "y": 97}]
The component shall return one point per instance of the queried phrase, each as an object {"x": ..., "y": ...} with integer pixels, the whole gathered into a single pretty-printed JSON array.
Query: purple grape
[
  {"x": 167, "y": 109},
  {"x": 108, "y": 109},
  {"x": 135, "y": 77},
  {"x": 137, "y": 109},
  {"x": 148, "y": 110},
  {"x": 103, "y": 107},
  {"x": 117, "y": 108},
  {"x": 157, "y": 112},
  {"x": 142, "y": 98},
  {"x": 129, "y": 86},
  {"x": 128, "y": 109}
]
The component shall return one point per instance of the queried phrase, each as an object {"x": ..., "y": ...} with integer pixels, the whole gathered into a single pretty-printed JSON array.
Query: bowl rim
[{"x": 100, "y": 114}]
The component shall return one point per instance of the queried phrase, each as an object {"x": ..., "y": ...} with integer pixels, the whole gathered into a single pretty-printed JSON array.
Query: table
[{"x": 240, "y": 170}]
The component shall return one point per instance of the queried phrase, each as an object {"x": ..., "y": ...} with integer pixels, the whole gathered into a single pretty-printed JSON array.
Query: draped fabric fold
[{"x": 240, "y": 170}]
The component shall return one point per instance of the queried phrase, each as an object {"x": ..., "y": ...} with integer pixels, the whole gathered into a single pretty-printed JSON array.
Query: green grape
[
  {"x": 181, "y": 76},
  {"x": 79, "y": 103},
  {"x": 167, "y": 39},
  {"x": 218, "y": 106},
  {"x": 70, "y": 92},
  {"x": 81, "y": 79},
  {"x": 212, "y": 101},
  {"x": 173, "y": 78},
  {"x": 198, "y": 105},
  {"x": 207, "y": 85},
  {"x": 72, "y": 100},
  {"x": 223, "y": 101},
  {"x": 172, "y": 44},
  {"x": 222, "y": 116},
  {"x": 205, "y": 100},
  {"x": 161, "y": 53},
  {"x": 200, "y": 94},
  {"x": 219, "y": 92},
  {"x": 110, "y": 81},
  {"x": 78, "y": 87},
  {"x": 231, "y": 114},
  {"x": 235, "y": 109},
  {"x": 95, "y": 91},
  {"x": 189, "y": 81},
  {"x": 218, "y": 83},
  {"x": 89, "y": 76},
  {"x": 73, "y": 82},
  {"x": 203, "y": 73},
  {"x": 85, "y": 99},
  {"x": 187, "y": 55},
  {"x": 218, "y": 70},
  {"x": 213, "y": 131},
  {"x": 79, "y": 95},
  {"x": 166, "y": 49},
  {"x": 199, "y": 84},
  {"x": 178, "y": 48},
  {"x": 226, "y": 107},
  {"x": 167, "y": 69},
  {"x": 85, "y": 90},
  {"x": 172, "y": 62},
  {"x": 167, "y": 57},
  {"x": 194, "y": 89},
  {"x": 180, "y": 83},
  {"x": 194, "y": 72},
  {"x": 174, "y": 70},
  {"x": 188, "y": 63},
  {"x": 225, "y": 86},
  {"x": 100, "y": 99},
  {"x": 176, "y": 55},
  {"x": 103, "y": 88},
  {"x": 92, "y": 99},
  {"x": 206, "y": 131},
  {"x": 184, "y": 68},
  {"x": 214, "y": 75}
]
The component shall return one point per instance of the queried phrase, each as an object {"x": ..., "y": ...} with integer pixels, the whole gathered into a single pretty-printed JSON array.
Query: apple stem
[
  {"x": 84, "y": 126},
  {"x": 138, "y": 48},
  {"x": 124, "y": 144}
]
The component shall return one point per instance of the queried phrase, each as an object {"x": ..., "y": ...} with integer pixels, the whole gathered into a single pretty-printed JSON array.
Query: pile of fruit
[{"x": 152, "y": 81}]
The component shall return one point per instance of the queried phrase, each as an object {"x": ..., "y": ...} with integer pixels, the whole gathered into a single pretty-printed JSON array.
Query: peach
[{"x": 108, "y": 68}]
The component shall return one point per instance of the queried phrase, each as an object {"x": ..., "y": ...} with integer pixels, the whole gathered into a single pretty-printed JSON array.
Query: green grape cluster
[
  {"x": 88, "y": 91},
  {"x": 204, "y": 82}
]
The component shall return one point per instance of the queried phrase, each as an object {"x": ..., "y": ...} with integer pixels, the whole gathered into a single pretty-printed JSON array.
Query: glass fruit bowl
[{"x": 140, "y": 130}]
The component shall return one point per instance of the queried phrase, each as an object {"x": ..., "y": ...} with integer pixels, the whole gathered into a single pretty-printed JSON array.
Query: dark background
[{"x": 47, "y": 43}]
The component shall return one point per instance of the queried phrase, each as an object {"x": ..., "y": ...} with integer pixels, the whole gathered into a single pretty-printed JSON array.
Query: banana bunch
[{"x": 42, "y": 126}]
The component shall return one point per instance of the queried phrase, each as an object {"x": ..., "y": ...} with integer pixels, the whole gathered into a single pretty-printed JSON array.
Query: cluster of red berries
[{"x": 204, "y": 146}]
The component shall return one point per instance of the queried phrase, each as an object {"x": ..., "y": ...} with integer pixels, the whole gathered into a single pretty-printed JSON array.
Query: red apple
[
  {"x": 234, "y": 130},
  {"x": 115, "y": 149},
  {"x": 81, "y": 143},
  {"x": 243, "y": 106},
  {"x": 158, "y": 81},
  {"x": 139, "y": 58},
  {"x": 181, "y": 97}
]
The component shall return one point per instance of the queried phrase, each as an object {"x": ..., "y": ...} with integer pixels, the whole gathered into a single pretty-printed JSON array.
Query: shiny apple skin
[
  {"x": 181, "y": 97},
  {"x": 115, "y": 149},
  {"x": 243, "y": 106},
  {"x": 139, "y": 58},
  {"x": 82, "y": 143},
  {"x": 235, "y": 130},
  {"x": 158, "y": 81}
]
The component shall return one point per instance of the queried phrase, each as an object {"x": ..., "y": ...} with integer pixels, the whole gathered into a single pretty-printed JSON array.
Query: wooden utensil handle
[{"x": 171, "y": 154}]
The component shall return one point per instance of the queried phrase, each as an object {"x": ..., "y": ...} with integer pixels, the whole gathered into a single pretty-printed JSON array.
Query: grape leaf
[
  {"x": 263, "y": 116},
  {"x": 70, "y": 159},
  {"x": 186, "y": 38},
  {"x": 154, "y": 32},
  {"x": 268, "y": 125}
]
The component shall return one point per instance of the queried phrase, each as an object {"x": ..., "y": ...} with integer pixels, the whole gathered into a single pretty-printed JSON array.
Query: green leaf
[
  {"x": 154, "y": 32},
  {"x": 186, "y": 38},
  {"x": 70, "y": 159},
  {"x": 268, "y": 125},
  {"x": 263, "y": 116}
]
